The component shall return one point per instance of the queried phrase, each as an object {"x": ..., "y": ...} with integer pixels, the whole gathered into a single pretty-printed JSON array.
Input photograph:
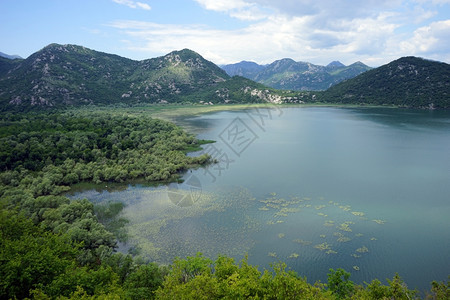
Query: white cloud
[
  {"x": 223, "y": 5},
  {"x": 239, "y": 9},
  {"x": 429, "y": 39},
  {"x": 374, "y": 32},
  {"x": 133, "y": 4}
]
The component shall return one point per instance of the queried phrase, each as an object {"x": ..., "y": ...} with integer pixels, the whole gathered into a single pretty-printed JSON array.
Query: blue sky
[{"x": 228, "y": 31}]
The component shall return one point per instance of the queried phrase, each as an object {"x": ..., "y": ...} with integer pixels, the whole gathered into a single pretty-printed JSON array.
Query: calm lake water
[{"x": 364, "y": 189}]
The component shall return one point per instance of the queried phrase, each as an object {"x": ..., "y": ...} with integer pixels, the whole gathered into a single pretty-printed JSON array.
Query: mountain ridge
[
  {"x": 408, "y": 82},
  {"x": 8, "y": 56},
  {"x": 288, "y": 74},
  {"x": 71, "y": 75},
  {"x": 61, "y": 76}
]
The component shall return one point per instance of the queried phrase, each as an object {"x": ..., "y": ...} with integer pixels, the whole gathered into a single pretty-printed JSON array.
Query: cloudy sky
[{"x": 228, "y": 31}]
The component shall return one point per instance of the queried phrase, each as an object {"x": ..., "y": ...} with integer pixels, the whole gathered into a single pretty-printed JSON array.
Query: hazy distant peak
[
  {"x": 335, "y": 64},
  {"x": 10, "y": 56}
]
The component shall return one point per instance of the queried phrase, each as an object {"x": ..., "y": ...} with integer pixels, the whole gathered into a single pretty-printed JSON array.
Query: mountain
[
  {"x": 335, "y": 65},
  {"x": 288, "y": 74},
  {"x": 247, "y": 69},
  {"x": 61, "y": 75},
  {"x": 9, "y": 56},
  {"x": 408, "y": 81}
]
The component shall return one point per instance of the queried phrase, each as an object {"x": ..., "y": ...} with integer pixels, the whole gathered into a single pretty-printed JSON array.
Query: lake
[{"x": 364, "y": 189}]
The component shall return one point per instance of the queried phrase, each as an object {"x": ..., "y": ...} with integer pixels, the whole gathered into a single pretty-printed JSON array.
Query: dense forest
[
  {"x": 405, "y": 82},
  {"x": 55, "y": 248}
]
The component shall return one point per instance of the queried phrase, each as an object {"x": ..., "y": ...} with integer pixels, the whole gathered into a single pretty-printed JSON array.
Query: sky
[{"x": 374, "y": 32}]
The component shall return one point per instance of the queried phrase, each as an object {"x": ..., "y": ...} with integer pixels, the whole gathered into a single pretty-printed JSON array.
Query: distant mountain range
[
  {"x": 69, "y": 75},
  {"x": 9, "y": 56},
  {"x": 60, "y": 75},
  {"x": 288, "y": 74}
]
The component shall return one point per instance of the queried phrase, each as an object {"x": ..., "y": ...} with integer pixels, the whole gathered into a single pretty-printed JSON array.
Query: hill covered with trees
[
  {"x": 406, "y": 82},
  {"x": 69, "y": 75}
]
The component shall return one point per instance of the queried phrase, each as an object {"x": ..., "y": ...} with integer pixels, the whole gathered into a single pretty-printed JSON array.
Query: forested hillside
[
  {"x": 69, "y": 75},
  {"x": 406, "y": 82}
]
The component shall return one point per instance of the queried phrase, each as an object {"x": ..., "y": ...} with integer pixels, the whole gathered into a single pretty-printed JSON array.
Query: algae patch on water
[{"x": 161, "y": 230}]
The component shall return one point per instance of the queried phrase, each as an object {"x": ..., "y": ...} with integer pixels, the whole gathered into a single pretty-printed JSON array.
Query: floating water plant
[
  {"x": 344, "y": 227},
  {"x": 322, "y": 214},
  {"x": 323, "y": 236},
  {"x": 329, "y": 223},
  {"x": 358, "y": 213},
  {"x": 263, "y": 208},
  {"x": 293, "y": 255},
  {"x": 355, "y": 255},
  {"x": 343, "y": 239},
  {"x": 280, "y": 214},
  {"x": 359, "y": 235},
  {"x": 300, "y": 241},
  {"x": 363, "y": 249},
  {"x": 281, "y": 235},
  {"x": 323, "y": 246},
  {"x": 319, "y": 206},
  {"x": 356, "y": 268},
  {"x": 373, "y": 239},
  {"x": 331, "y": 252},
  {"x": 381, "y": 222},
  {"x": 345, "y": 207},
  {"x": 272, "y": 254}
]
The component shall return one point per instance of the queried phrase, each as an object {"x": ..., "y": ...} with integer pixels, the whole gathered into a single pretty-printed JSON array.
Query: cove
[{"x": 364, "y": 189}]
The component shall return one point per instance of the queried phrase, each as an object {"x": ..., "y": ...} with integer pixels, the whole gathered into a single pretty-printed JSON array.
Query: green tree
[{"x": 339, "y": 283}]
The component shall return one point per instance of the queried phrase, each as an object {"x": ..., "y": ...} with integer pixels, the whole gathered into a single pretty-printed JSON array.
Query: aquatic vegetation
[
  {"x": 276, "y": 206},
  {"x": 281, "y": 235},
  {"x": 280, "y": 214},
  {"x": 331, "y": 252},
  {"x": 373, "y": 239},
  {"x": 280, "y": 221},
  {"x": 270, "y": 222},
  {"x": 381, "y": 222},
  {"x": 323, "y": 246},
  {"x": 329, "y": 223},
  {"x": 345, "y": 207},
  {"x": 363, "y": 249},
  {"x": 358, "y": 213},
  {"x": 344, "y": 227},
  {"x": 322, "y": 214},
  {"x": 294, "y": 255},
  {"x": 272, "y": 254},
  {"x": 359, "y": 235},
  {"x": 263, "y": 208},
  {"x": 355, "y": 255},
  {"x": 356, "y": 268},
  {"x": 343, "y": 239},
  {"x": 300, "y": 241},
  {"x": 319, "y": 206},
  {"x": 323, "y": 236}
]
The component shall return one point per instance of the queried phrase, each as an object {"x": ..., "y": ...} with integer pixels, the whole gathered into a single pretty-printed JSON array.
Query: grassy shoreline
[{"x": 170, "y": 112}]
